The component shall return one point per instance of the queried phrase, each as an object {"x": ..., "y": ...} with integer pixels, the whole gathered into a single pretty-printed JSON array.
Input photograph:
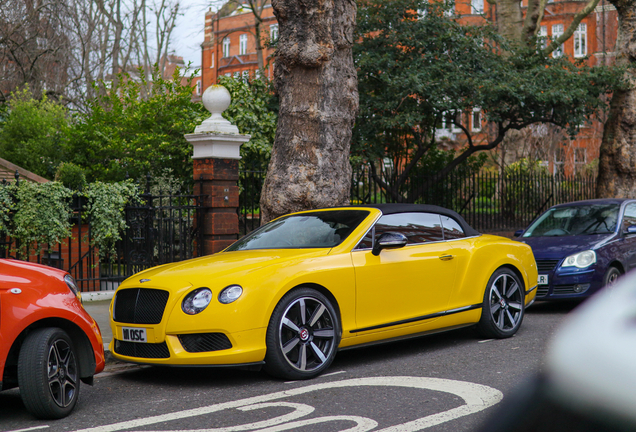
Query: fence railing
[{"x": 489, "y": 202}]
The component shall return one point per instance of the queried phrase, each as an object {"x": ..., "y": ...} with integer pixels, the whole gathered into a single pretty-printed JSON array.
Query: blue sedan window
[
  {"x": 575, "y": 220},
  {"x": 309, "y": 230}
]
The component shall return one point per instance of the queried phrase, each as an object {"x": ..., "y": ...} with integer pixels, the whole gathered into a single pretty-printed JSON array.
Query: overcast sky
[{"x": 188, "y": 32}]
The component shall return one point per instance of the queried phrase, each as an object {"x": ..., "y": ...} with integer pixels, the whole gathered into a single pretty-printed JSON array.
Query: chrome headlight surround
[
  {"x": 196, "y": 301},
  {"x": 230, "y": 294},
  {"x": 580, "y": 260}
]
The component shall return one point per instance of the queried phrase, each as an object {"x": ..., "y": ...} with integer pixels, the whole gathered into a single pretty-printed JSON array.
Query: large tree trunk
[
  {"x": 617, "y": 161},
  {"x": 317, "y": 84}
]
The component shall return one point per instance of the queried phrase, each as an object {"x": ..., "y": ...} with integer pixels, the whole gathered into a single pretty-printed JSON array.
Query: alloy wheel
[
  {"x": 62, "y": 373},
  {"x": 307, "y": 334},
  {"x": 506, "y": 302}
]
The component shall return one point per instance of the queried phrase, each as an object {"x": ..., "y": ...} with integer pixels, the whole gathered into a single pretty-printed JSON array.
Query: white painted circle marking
[{"x": 477, "y": 397}]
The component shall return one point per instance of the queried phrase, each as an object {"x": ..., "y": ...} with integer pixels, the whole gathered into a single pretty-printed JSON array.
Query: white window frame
[
  {"x": 237, "y": 75},
  {"x": 226, "y": 47},
  {"x": 543, "y": 36},
  {"x": 243, "y": 44},
  {"x": 273, "y": 32},
  {"x": 477, "y": 6},
  {"x": 198, "y": 87},
  {"x": 557, "y": 31},
  {"x": 257, "y": 74},
  {"x": 580, "y": 40},
  {"x": 475, "y": 126},
  {"x": 245, "y": 75},
  {"x": 212, "y": 61}
]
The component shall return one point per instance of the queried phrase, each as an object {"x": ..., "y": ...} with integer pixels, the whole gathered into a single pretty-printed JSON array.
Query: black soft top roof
[{"x": 424, "y": 208}]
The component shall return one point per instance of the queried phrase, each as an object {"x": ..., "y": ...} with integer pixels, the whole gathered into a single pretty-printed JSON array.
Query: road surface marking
[{"x": 477, "y": 397}]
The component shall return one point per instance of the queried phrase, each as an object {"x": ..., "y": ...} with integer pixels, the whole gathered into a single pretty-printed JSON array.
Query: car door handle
[{"x": 446, "y": 257}]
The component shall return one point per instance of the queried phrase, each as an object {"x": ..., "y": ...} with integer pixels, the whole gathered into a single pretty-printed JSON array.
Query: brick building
[{"x": 229, "y": 48}]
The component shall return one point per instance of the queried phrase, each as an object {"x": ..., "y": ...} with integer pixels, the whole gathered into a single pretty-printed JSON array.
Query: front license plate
[
  {"x": 133, "y": 334},
  {"x": 543, "y": 279}
]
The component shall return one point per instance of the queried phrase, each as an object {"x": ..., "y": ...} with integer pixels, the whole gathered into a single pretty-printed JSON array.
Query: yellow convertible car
[{"x": 291, "y": 293}]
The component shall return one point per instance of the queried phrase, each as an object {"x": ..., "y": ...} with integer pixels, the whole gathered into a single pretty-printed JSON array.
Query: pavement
[{"x": 97, "y": 306}]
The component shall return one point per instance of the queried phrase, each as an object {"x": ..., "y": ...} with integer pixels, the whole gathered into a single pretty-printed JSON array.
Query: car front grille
[
  {"x": 542, "y": 291},
  {"x": 546, "y": 266},
  {"x": 140, "y": 305},
  {"x": 142, "y": 350},
  {"x": 204, "y": 342}
]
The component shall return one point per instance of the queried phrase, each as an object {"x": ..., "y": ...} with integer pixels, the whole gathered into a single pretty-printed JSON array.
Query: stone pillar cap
[{"x": 216, "y": 99}]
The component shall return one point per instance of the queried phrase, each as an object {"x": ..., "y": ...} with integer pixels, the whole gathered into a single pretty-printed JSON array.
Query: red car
[{"x": 48, "y": 342}]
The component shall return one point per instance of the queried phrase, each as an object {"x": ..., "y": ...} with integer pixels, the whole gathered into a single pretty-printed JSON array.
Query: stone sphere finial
[{"x": 216, "y": 99}]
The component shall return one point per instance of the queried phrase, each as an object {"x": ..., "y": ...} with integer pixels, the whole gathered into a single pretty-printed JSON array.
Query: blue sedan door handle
[{"x": 446, "y": 257}]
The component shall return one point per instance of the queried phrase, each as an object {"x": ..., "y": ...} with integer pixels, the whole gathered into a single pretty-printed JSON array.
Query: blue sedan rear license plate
[
  {"x": 133, "y": 334},
  {"x": 543, "y": 280}
]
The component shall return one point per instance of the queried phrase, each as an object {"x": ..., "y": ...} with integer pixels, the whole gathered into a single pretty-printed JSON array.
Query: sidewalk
[{"x": 97, "y": 304}]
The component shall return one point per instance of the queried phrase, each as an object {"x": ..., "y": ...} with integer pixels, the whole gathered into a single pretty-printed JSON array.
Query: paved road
[{"x": 441, "y": 383}]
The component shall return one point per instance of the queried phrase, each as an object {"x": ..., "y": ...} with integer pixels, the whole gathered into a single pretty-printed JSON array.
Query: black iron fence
[
  {"x": 160, "y": 229},
  {"x": 489, "y": 202}
]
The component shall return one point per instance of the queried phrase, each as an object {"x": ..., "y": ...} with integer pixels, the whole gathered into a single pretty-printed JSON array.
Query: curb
[{"x": 98, "y": 295}]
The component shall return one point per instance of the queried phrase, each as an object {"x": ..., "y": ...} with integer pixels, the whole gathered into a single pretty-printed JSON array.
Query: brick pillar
[
  {"x": 216, "y": 153},
  {"x": 216, "y": 180}
]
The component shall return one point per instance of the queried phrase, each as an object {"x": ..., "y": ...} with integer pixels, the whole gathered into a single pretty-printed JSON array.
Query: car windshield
[
  {"x": 575, "y": 220},
  {"x": 324, "y": 229}
]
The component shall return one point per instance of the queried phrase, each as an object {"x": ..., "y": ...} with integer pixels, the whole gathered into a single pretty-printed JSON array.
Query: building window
[
  {"x": 246, "y": 75},
  {"x": 273, "y": 32},
  {"x": 257, "y": 74},
  {"x": 228, "y": 74},
  {"x": 226, "y": 47},
  {"x": 580, "y": 41},
  {"x": 198, "y": 87},
  {"x": 237, "y": 75},
  {"x": 475, "y": 120},
  {"x": 543, "y": 37},
  {"x": 243, "y": 44},
  {"x": 478, "y": 6},
  {"x": 557, "y": 31},
  {"x": 212, "y": 61}
]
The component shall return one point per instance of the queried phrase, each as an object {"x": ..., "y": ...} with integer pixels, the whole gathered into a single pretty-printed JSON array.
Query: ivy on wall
[{"x": 36, "y": 214}]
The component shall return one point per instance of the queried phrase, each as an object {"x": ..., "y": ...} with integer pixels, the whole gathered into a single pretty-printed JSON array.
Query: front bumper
[
  {"x": 246, "y": 347},
  {"x": 565, "y": 284}
]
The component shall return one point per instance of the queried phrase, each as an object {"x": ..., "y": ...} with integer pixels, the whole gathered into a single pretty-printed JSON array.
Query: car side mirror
[
  {"x": 631, "y": 229},
  {"x": 518, "y": 233},
  {"x": 389, "y": 240}
]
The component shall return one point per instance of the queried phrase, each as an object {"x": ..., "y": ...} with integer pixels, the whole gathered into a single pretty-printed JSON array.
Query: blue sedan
[{"x": 582, "y": 246}]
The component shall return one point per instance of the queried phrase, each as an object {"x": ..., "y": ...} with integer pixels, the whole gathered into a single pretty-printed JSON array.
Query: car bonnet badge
[{"x": 144, "y": 280}]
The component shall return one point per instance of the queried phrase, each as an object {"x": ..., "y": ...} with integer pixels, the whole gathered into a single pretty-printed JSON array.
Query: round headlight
[
  {"x": 196, "y": 301},
  {"x": 230, "y": 294},
  {"x": 580, "y": 260}
]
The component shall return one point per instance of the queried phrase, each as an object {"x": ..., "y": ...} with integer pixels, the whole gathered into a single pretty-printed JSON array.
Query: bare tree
[
  {"x": 317, "y": 84},
  {"x": 34, "y": 47}
]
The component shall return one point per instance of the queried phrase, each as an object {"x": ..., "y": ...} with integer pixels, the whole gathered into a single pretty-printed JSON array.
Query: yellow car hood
[{"x": 201, "y": 271}]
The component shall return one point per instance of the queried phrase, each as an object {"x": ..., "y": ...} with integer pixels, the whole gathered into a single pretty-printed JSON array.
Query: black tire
[
  {"x": 48, "y": 373},
  {"x": 504, "y": 305},
  {"x": 302, "y": 336},
  {"x": 611, "y": 276}
]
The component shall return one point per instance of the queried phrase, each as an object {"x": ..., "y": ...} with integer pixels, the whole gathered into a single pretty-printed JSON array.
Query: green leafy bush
[{"x": 71, "y": 176}]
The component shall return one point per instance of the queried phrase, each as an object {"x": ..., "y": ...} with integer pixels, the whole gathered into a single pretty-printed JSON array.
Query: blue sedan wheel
[
  {"x": 503, "y": 306},
  {"x": 611, "y": 277}
]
